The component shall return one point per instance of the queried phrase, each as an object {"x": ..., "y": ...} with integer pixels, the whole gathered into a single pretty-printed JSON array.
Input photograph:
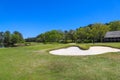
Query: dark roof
[{"x": 112, "y": 34}]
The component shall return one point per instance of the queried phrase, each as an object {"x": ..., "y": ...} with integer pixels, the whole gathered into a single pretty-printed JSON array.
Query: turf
[{"x": 35, "y": 63}]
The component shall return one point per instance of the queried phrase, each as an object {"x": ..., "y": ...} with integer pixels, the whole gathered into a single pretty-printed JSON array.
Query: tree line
[
  {"x": 85, "y": 34},
  {"x": 8, "y": 39}
]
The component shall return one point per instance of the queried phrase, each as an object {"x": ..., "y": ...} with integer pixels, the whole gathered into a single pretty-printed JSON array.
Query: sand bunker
[{"x": 75, "y": 51}]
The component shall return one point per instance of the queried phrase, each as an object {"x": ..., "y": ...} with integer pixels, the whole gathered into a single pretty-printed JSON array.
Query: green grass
[{"x": 35, "y": 63}]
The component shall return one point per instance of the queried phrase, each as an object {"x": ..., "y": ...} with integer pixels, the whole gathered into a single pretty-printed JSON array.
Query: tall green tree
[
  {"x": 82, "y": 34},
  {"x": 19, "y": 36},
  {"x": 98, "y": 31},
  {"x": 16, "y": 38},
  {"x": 7, "y": 38},
  {"x": 114, "y": 26},
  {"x": 41, "y": 38},
  {"x": 65, "y": 37},
  {"x": 1, "y": 39},
  {"x": 72, "y": 35},
  {"x": 50, "y": 36},
  {"x": 102, "y": 31}
]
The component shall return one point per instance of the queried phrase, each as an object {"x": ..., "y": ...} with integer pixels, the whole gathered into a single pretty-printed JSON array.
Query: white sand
[{"x": 75, "y": 51}]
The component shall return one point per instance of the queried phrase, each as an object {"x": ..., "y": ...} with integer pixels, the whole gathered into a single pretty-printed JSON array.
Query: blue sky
[{"x": 32, "y": 17}]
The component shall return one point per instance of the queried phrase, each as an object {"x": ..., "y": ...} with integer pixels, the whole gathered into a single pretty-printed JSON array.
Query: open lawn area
[{"x": 35, "y": 63}]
